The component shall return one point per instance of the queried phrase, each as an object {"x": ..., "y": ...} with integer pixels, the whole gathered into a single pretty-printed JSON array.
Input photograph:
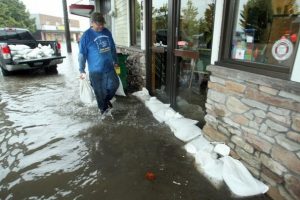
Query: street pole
[{"x": 67, "y": 29}]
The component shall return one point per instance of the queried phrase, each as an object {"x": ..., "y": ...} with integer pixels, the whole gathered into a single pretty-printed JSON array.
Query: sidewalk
[{"x": 134, "y": 143}]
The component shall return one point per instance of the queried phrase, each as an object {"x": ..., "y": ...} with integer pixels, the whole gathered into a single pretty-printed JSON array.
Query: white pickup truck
[{"x": 20, "y": 51}]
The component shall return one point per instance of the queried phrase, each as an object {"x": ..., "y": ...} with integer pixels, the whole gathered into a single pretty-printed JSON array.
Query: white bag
[
  {"x": 86, "y": 91},
  {"x": 120, "y": 90},
  {"x": 142, "y": 95},
  {"x": 239, "y": 179}
]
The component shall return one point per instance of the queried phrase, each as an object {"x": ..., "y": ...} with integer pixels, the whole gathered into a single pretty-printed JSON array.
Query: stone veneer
[
  {"x": 136, "y": 68},
  {"x": 259, "y": 118}
]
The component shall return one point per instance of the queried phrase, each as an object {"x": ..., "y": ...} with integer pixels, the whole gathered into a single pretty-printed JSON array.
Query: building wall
[
  {"x": 136, "y": 68},
  {"x": 50, "y": 20},
  {"x": 36, "y": 17},
  {"x": 52, "y": 28},
  {"x": 74, "y": 23},
  {"x": 121, "y": 23},
  {"x": 259, "y": 118}
]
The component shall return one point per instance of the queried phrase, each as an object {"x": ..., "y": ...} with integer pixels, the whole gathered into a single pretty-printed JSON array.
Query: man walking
[{"x": 97, "y": 47}]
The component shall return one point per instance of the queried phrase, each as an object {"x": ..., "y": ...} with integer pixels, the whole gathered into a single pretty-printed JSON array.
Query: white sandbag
[
  {"x": 154, "y": 100},
  {"x": 160, "y": 115},
  {"x": 210, "y": 166},
  {"x": 12, "y": 47},
  {"x": 187, "y": 133},
  {"x": 143, "y": 92},
  {"x": 46, "y": 47},
  {"x": 239, "y": 179},
  {"x": 176, "y": 124},
  {"x": 198, "y": 144},
  {"x": 18, "y": 47},
  {"x": 155, "y": 105},
  {"x": 222, "y": 149},
  {"x": 47, "y": 52},
  {"x": 86, "y": 92},
  {"x": 171, "y": 114},
  {"x": 142, "y": 95},
  {"x": 24, "y": 51},
  {"x": 166, "y": 114},
  {"x": 35, "y": 53},
  {"x": 120, "y": 90},
  {"x": 17, "y": 57}
]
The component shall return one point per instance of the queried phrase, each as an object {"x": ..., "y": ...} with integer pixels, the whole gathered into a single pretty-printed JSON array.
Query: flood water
[{"x": 53, "y": 147}]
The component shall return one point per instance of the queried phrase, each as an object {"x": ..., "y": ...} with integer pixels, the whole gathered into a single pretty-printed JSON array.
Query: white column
[
  {"x": 296, "y": 69},
  {"x": 217, "y": 31},
  {"x": 112, "y": 10},
  {"x": 97, "y": 5}
]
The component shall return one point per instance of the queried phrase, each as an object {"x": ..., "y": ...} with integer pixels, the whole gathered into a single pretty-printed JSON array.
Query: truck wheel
[
  {"x": 51, "y": 69},
  {"x": 5, "y": 72}
]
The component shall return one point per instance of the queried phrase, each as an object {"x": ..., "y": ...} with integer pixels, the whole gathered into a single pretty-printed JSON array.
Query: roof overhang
[{"x": 81, "y": 10}]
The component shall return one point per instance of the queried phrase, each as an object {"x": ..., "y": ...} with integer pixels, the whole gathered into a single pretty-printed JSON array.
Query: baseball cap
[{"x": 97, "y": 17}]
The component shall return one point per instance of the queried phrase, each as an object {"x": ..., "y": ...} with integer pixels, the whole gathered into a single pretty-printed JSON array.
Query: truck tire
[
  {"x": 5, "y": 72},
  {"x": 51, "y": 69}
]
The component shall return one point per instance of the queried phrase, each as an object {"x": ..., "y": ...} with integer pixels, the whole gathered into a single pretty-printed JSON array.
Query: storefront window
[
  {"x": 266, "y": 32},
  {"x": 193, "y": 54}
]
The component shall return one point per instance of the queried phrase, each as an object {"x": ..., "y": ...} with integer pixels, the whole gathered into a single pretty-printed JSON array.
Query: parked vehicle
[{"x": 20, "y": 51}]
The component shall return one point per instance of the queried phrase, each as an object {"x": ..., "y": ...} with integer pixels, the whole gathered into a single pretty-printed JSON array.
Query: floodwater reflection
[{"x": 41, "y": 118}]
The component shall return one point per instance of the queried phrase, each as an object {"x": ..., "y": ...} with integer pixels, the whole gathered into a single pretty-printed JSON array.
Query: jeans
[{"x": 105, "y": 85}]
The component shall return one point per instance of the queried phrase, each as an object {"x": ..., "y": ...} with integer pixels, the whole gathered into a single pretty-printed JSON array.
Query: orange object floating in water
[{"x": 150, "y": 176}]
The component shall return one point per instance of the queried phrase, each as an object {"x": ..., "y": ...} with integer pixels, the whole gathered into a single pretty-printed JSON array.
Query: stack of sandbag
[
  {"x": 21, "y": 51},
  {"x": 212, "y": 159}
]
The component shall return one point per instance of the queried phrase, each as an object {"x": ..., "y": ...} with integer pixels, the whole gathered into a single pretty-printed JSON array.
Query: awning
[{"x": 81, "y": 10}]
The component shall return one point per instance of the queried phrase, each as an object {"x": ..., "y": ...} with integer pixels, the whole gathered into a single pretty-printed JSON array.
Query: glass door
[
  {"x": 193, "y": 52},
  {"x": 159, "y": 32}
]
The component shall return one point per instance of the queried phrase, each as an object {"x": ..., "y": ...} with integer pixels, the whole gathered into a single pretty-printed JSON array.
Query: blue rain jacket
[{"x": 98, "y": 49}]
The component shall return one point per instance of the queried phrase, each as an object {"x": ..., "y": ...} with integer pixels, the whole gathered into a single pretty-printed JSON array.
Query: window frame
[
  {"x": 132, "y": 23},
  {"x": 225, "y": 48},
  {"x": 133, "y": 29}
]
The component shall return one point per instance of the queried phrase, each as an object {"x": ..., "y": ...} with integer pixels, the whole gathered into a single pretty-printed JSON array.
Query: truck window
[{"x": 13, "y": 34}]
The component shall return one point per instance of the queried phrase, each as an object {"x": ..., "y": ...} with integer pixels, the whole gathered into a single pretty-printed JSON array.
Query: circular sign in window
[{"x": 282, "y": 49}]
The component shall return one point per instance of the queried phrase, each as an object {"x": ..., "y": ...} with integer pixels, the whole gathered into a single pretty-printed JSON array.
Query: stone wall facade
[
  {"x": 136, "y": 68},
  {"x": 259, "y": 118}
]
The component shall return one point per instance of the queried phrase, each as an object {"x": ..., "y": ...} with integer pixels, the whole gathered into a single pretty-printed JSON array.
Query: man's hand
[{"x": 82, "y": 76}]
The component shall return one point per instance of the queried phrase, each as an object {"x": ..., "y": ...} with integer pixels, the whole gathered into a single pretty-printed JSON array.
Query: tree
[
  {"x": 161, "y": 16},
  {"x": 256, "y": 15},
  {"x": 206, "y": 24},
  {"x": 13, "y": 14},
  {"x": 190, "y": 23},
  {"x": 291, "y": 8},
  {"x": 138, "y": 15}
]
